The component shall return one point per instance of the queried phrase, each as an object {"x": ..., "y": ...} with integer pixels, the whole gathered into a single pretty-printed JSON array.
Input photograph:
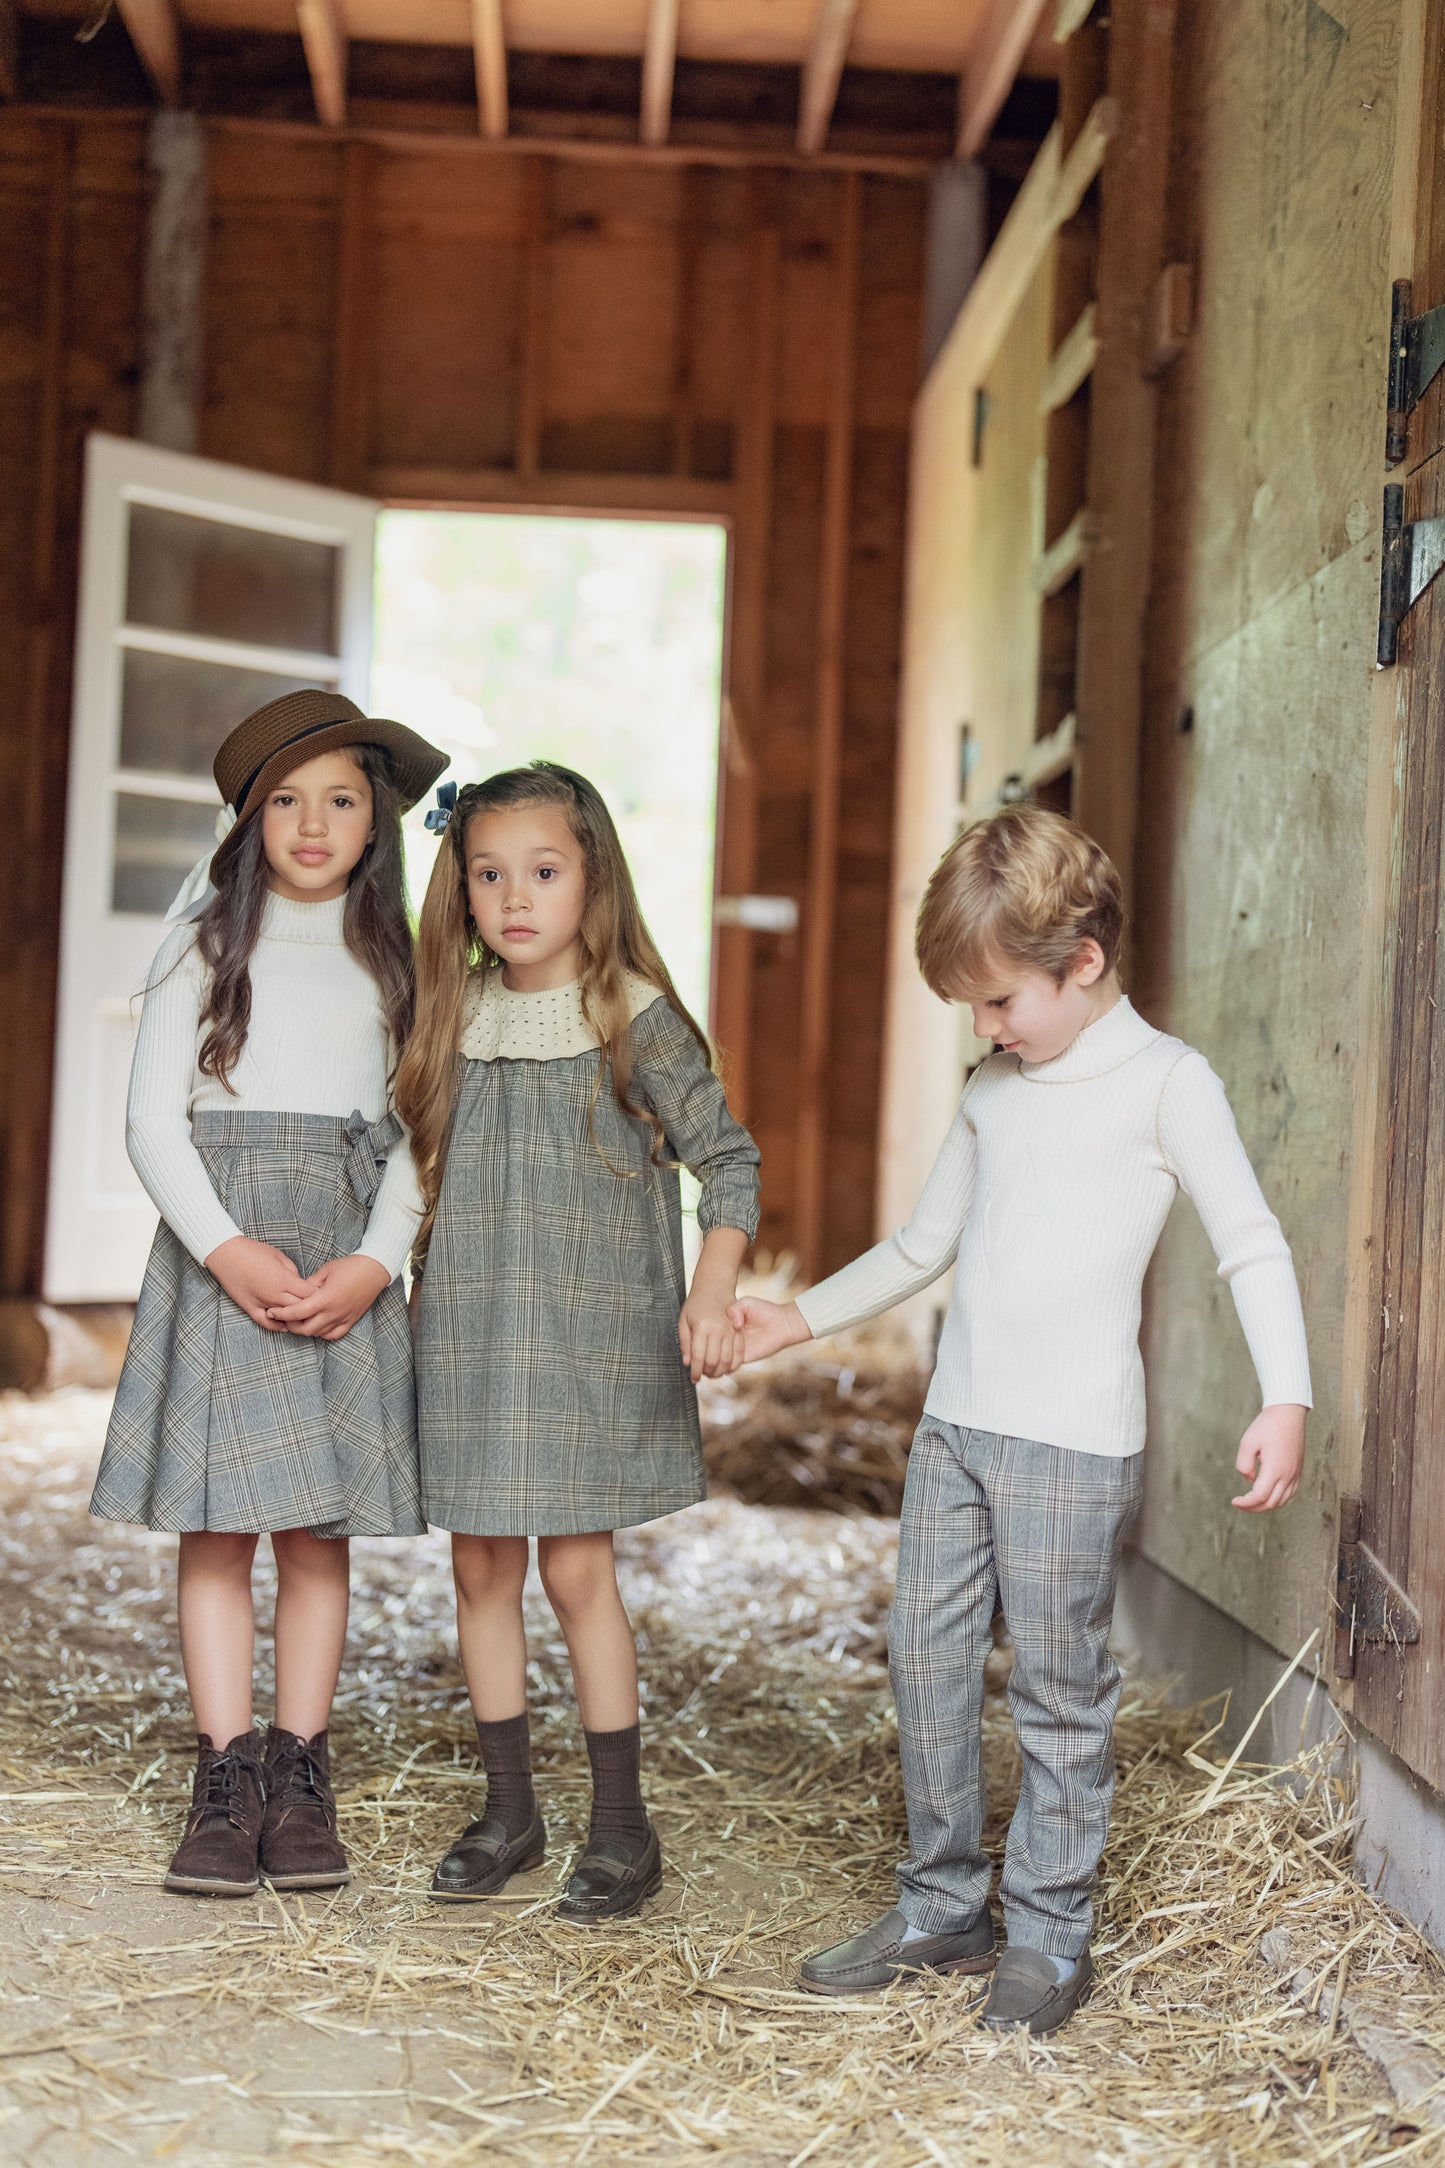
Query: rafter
[
  {"x": 157, "y": 40},
  {"x": 659, "y": 59},
  {"x": 489, "y": 46},
  {"x": 324, "y": 39},
  {"x": 823, "y": 71},
  {"x": 9, "y": 51},
  {"x": 989, "y": 72}
]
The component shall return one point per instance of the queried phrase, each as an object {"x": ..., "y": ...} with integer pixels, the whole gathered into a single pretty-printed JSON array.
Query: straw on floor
[{"x": 369, "y": 2028}]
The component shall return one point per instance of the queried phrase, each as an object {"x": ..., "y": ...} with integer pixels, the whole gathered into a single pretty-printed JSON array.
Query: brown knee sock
[
  {"x": 618, "y": 1815},
  {"x": 507, "y": 1759}
]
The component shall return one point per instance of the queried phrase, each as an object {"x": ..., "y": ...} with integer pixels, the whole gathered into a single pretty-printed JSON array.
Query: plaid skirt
[{"x": 219, "y": 1424}]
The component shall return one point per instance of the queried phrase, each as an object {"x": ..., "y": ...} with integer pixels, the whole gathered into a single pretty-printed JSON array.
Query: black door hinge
[
  {"x": 1371, "y": 1608},
  {"x": 1410, "y": 557},
  {"x": 1417, "y": 355}
]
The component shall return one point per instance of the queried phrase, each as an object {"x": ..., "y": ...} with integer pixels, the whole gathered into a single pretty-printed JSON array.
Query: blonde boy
[{"x": 1048, "y": 1196}]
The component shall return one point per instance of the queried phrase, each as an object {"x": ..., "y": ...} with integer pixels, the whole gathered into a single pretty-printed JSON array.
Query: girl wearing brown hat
[{"x": 268, "y": 1388}]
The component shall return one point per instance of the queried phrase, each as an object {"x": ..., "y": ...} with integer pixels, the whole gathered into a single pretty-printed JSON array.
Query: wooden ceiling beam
[
  {"x": 9, "y": 51},
  {"x": 659, "y": 60},
  {"x": 156, "y": 37},
  {"x": 324, "y": 40},
  {"x": 823, "y": 71},
  {"x": 992, "y": 65},
  {"x": 489, "y": 45}
]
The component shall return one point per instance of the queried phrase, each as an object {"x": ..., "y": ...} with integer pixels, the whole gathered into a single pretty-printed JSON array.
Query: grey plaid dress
[
  {"x": 552, "y": 1396},
  {"x": 219, "y": 1424}
]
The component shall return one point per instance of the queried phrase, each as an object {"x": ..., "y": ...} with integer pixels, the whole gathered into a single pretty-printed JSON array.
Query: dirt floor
[{"x": 1241, "y": 1965}]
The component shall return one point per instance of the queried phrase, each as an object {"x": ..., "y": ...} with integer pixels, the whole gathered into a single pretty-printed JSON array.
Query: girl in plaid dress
[
  {"x": 558, "y": 1346},
  {"x": 268, "y": 1385}
]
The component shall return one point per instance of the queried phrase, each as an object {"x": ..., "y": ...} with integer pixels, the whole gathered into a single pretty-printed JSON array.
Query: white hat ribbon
[{"x": 196, "y": 888}]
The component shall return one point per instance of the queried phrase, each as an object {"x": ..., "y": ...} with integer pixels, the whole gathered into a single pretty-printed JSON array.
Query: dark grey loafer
[
  {"x": 1026, "y": 1992},
  {"x": 607, "y": 1883},
  {"x": 877, "y": 1956},
  {"x": 484, "y": 1857}
]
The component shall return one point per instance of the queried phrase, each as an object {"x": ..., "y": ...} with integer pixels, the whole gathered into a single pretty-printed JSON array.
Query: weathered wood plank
[
  {"x": 823, "y": 72},
  {"x": 489, "y": 46},
  {"x": 822, "y": 890},
  {"x": 659, "y": 60},
  {"x": 1071, "y": 361},
  {"x": 355, "y": 302},
  {"x": 994, "y": 60},
  {"x": 747, "y": 666},
  {"x": 155, "y": 34},
  {"x": 323, "y": 38}
]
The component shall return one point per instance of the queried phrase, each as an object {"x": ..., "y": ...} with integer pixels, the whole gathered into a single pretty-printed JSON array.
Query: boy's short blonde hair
[{"x": 1024, "y": 887}]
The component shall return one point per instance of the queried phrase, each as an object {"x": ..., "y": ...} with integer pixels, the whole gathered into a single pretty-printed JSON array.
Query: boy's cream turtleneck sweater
[
  {"x": 317, "y": 1044},
  {"x": 1051, "y": 1192}
]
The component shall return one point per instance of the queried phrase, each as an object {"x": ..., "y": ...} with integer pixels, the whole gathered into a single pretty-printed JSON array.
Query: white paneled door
[{"x": 204, "y": 591}]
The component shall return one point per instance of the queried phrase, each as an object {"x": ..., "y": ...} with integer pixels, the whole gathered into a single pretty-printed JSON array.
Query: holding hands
[{"x": 765, "y": 1328}]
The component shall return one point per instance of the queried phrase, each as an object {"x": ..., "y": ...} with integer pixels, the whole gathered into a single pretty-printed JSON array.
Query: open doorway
[
  {"x": 207, "y": 590},
  {"x": 506, "y": 638}
]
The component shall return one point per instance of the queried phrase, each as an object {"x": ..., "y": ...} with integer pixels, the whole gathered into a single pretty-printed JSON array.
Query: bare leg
[
  {"x": 489, "y": 1572},
  {"x": 313, "y": 1587},
  {"x": 580, "y": 1577},
  {"x": 218, "y": 1630}
]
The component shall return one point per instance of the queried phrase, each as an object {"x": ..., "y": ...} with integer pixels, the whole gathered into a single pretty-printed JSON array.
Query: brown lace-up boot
[
  {"x": 217, "y": 1856},
  {"x": 299, "y": 1845}
]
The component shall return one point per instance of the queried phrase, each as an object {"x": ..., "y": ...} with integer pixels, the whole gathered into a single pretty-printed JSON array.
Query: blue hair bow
[{"x": 441, "y": 813}]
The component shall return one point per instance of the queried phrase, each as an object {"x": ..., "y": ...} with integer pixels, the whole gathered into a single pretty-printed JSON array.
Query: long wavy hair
[
  {"x": 614, "y": 939},
  {"x": 375, "y": 924}
]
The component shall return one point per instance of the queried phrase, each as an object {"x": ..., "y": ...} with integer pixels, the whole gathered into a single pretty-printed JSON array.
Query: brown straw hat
[{"x": 263, "y": 750}]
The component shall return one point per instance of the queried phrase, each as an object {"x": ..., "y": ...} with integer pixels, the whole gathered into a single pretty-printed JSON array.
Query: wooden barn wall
[
  {"x": 455, "y": 326},
  {"x": 1251, "y": 876}
]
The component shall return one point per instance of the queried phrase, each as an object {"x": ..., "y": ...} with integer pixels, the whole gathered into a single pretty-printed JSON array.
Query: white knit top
[
  {"x": 317, "y": 1044},
  {"x": 1051, "y": 1191}
]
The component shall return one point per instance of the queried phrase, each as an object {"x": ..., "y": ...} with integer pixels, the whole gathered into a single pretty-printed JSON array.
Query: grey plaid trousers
[{"x": 1043, "y": 1528}]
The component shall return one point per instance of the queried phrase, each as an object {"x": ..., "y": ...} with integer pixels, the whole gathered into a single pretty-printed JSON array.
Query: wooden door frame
[{"x": 1385, "y": 812}]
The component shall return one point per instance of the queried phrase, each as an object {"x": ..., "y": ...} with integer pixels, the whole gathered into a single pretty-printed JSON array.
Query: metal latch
[
  {"x": 1410, "y": 557},
  {"x": 1371, "y": 1608},
  {"x": 1417, "y": 355}
]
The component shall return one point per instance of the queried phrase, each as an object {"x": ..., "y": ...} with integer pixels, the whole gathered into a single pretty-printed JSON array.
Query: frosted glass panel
[
  {"x": 157, "y": 841},
  {"x": 185, "y": 574},
  {"x": 174, "y": 712}
]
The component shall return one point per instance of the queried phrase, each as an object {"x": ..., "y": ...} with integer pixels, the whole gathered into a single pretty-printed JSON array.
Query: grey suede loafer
[
  {"x": 483, "y": 1858},
  {"x": 1027, "y": 1992},
  {"x": 877, "y": 1956}
]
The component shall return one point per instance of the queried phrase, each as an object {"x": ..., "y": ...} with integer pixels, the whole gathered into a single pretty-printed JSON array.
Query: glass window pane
[
  {"x": 185, "y": 574},
  {"x": 174, "y": 712},
  {"x": 157, "y": 841}
]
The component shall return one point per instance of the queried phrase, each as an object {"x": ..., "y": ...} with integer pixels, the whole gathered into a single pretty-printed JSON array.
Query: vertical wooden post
[
  {"x": 350, "y": 375},
  {"x": 1120, "y": 489},
  {"x": 34, "y": 854},
  {"x": 690, "y": 182},
  {"x": 169, "y": 402},
  {"x": 745, "y": 693},
  {"x": 532, "y": 353},
  {"x": 822, "y": 892}
]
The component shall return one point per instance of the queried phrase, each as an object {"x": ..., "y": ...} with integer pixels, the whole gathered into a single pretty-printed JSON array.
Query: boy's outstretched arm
[
  {"x": 1271, "y": 1457},
  {"x": 766, "y": 1327}
]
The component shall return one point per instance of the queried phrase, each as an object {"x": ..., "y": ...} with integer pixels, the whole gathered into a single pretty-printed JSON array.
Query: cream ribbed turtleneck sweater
[
  {"x": 1051, "y": 1192},
  {"x": 317, "y": 1044}
]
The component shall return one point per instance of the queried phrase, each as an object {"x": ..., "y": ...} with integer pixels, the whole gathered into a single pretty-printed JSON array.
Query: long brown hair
[
  {"x": 374, "y": 924},
  {"x": 614, "y": 939}
]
